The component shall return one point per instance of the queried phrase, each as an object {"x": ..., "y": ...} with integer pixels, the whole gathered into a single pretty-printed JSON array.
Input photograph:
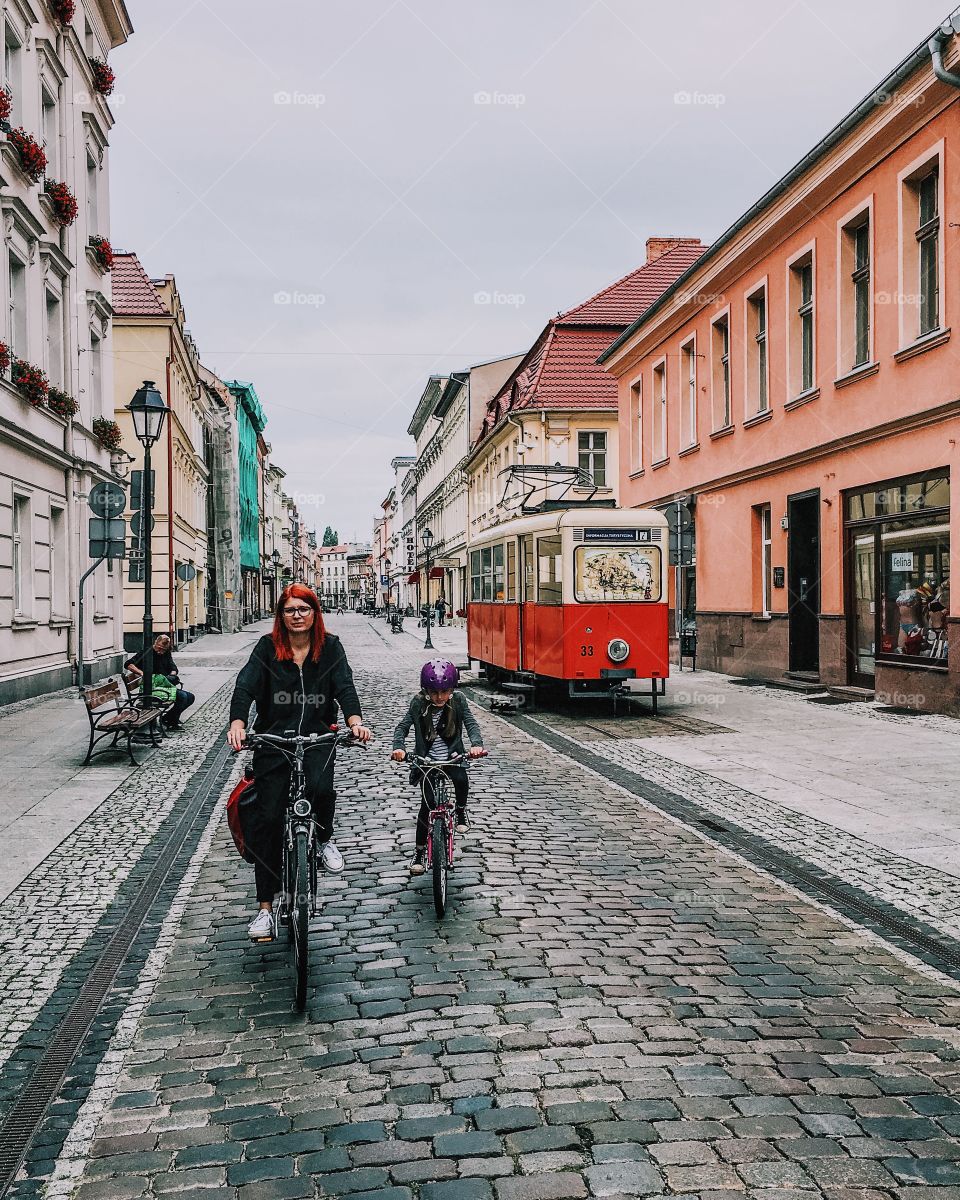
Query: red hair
[{"x": 281, "y": 638}]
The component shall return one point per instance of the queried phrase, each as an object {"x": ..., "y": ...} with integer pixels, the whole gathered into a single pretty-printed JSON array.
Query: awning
[
  {"x": 437, "y": 572},
  {"x": 414, "y": 577}
]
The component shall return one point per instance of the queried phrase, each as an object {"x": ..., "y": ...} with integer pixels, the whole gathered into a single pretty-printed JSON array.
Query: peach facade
[{"x": 808, "y": 357}]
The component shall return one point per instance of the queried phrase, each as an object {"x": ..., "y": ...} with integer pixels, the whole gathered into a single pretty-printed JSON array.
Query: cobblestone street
[{"x": 614, "y": 1005}]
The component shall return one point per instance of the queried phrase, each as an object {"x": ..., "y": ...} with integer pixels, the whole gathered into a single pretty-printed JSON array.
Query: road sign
[
  {"x": 108, "y": 537},
  {"x": 136, "y": 489},
  {"x": 136, "y": 522},
  {"x": 186, "y": 572},
  {"x": 107, "y": 499}
]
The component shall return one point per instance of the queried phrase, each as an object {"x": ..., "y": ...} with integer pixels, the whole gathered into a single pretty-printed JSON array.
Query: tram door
[{"x": 528, "y": 597}]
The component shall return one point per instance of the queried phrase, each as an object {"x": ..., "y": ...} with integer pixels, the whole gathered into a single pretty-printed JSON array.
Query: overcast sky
[{"x": 338, "y": 187}]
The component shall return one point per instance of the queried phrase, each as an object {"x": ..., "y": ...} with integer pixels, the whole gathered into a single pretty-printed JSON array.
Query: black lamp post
[
  {"x": 149, "y": 413},
  {"x": 275, "y": 559},
  {"x": 427, "y": 538}
]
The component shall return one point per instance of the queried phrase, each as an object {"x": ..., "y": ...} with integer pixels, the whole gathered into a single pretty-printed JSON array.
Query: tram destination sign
[{"x": 618, "y": 535}]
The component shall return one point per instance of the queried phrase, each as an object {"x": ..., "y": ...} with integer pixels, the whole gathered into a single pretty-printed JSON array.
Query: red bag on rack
[{"x": 239, "y": 804}]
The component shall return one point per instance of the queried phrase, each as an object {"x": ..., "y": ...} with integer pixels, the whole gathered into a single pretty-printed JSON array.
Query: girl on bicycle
[
  {"x": 297, "y": 675},
  {"x": 437, "y": 714}
]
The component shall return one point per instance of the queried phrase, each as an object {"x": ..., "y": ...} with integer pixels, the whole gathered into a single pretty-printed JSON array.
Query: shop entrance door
[{"x": 803, "y": 520}]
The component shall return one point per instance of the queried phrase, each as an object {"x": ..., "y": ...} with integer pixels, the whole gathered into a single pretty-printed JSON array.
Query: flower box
[
  {"x": 103, "y": 76},
  {"x": 63, "y": 10},
  {"x": 33, "y": 160},
  {"x": 4, "y": 358},
  {"x": 102, "y": 252},
  {"x": 61, "y": 403},
  {"x": 30, "y": 382},
  {"x": 107, "y": 433},
  {"x": 6, "y": 104},
  {"x": 64, "y": 202}
]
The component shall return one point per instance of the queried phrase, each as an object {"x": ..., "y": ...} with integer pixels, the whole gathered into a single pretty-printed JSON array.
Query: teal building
[{"x": 251, "y": 422}]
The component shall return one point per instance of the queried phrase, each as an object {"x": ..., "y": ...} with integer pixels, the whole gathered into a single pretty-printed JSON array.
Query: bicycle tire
[
  {"x": 300, "y": 917},
  {"x": 440, "y": 866}
]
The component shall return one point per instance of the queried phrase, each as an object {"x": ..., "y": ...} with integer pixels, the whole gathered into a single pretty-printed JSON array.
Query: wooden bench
[{"x": 114, "y": 715}]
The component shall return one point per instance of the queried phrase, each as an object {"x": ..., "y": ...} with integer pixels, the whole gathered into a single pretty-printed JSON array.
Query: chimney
[{"x": 658, "y": 246}]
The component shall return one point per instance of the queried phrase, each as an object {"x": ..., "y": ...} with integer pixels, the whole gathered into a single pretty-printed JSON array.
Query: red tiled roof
[
  {"x": 560, "y": 370},
  {"x": 133, "y": 293}
]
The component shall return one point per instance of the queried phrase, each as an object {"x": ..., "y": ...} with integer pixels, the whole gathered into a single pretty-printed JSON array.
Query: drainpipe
[
  {"x": 171, "y": 627},
  {"x": 937, "y": 45}
]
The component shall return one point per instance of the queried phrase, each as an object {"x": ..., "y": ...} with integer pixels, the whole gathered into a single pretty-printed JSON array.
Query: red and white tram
[{"x": 575, "y": 595}]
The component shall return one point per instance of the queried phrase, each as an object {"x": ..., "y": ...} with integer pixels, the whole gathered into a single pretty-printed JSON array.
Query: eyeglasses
[{"x": 297, "y": 612}]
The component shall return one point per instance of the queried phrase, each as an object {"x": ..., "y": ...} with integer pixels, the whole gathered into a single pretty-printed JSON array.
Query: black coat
[{"x": 289, "y": 697}]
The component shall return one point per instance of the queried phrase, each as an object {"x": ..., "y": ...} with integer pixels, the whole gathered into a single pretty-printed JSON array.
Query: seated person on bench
[{"x": 164, "y": 665}]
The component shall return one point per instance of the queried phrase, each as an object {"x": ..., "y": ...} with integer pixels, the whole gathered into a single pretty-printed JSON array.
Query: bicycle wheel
[
  {"x": 300, "y": 916},
  {"x": 440, "y": 866}
]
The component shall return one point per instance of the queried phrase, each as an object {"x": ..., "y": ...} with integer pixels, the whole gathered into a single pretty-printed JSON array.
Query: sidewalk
[{"x": 47, "y": 793}]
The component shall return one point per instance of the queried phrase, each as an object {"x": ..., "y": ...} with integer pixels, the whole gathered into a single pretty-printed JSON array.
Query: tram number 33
[{"x": 586, "y": 652}]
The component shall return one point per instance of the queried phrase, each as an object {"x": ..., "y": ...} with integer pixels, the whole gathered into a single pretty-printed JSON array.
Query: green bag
[{"x": 163, "y": 689}]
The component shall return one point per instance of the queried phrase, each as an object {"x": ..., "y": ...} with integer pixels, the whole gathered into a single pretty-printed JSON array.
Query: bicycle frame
[{"x": 442, "y": 789}]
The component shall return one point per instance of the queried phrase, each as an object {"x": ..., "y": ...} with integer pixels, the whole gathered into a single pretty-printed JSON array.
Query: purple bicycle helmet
[{"x": 439, "y": 675}]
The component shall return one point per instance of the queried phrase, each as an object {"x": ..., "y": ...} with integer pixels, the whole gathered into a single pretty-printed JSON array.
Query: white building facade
[{"x": 56, "y": 391}]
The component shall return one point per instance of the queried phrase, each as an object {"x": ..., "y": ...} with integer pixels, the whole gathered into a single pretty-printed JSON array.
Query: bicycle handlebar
[
  {"x": 307, "y": 741},
  {"x": 455, "y": 760}
]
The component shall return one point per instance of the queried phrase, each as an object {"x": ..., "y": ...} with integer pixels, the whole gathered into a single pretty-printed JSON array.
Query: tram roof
[{"x": 568, "y": 518}]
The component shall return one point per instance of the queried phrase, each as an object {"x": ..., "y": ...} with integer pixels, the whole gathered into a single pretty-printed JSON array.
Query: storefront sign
[
  {"x": 901, "y": 561},
  {"x": 617, "y": 535}
]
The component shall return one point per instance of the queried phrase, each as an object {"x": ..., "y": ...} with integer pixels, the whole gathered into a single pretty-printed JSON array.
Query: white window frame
[
  {"x": 55, "y": 361},
  {"x": 688, "y": 385},
  {"x": 18, "y": 315},
  {"x": 15, "y": 37},
  {"x": 659, "y": 401},
  {"x": 793, "y": 327},
  {"x": 51, "y": 138},
  {"x": 22, "y": 547},
  {"x": 847, "y": 227},
  {"x": 724, "y": 403},
  {"x": 756, "y": 382},
  {"x": 59, "y": 602},
  {"x": 908, "y": 282},
  {"x": 766, "y": 559},
  {"x": 593, "y": 452}
]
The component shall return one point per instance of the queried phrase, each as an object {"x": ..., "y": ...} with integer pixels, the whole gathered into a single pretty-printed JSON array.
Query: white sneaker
[
  {"x": 261, "y": 926},
  {"x": 331, "y": 858}
]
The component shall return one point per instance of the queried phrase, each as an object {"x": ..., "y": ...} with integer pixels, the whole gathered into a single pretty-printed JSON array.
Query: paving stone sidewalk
[{"x": 613, "y": 1007}]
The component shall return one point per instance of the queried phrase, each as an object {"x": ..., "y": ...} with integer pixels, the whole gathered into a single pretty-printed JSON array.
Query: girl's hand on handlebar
[
  {"x": 398, "y": 755},
  {"x": 477, "y": 752},
  {"x": 236, "y": 735}
]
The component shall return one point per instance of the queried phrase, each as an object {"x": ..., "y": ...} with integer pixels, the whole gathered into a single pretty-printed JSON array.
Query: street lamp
[
  {"x": 275, "y": 558},
  {"x": 149, "y": 413},
  {"x": 427, "y": 538}
]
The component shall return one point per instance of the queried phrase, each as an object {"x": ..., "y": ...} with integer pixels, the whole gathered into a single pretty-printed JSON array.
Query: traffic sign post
[{"x": 107, "y": 538}]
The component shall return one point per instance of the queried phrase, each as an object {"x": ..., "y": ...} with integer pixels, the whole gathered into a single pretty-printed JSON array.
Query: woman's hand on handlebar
[
  {"x": 398, "y": 755},
  {"x": 236, "y": 735},
  {"x": 477, "y": 752},
  {"x": 360, "y": 732}
]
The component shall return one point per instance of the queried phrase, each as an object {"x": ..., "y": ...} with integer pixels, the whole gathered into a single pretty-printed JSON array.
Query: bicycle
[
  {"x": 396, "y": 621},
  {"x": 298, "y": 902},
  {"x": 440, "y": 820}
]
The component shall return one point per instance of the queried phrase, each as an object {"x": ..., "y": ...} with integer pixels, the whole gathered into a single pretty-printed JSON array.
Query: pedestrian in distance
[
  {"x": 297, "y": 675},
  {"x": 165, "y": 675},
  {"x": 438, "y": 714},
  {"x": 441, "y": 609}
]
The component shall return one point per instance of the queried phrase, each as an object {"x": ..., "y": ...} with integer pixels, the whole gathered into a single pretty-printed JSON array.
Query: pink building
[{"x": 797, "y": 387}]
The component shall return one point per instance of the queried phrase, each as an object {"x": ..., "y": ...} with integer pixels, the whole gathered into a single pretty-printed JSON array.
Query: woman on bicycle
[
  {"x": 437, "y": 714},
  {"x": 297, "y": 675}
]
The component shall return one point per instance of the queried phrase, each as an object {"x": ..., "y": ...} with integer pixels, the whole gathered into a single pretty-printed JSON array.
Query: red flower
[
  {"x": 64, "y": 202},
  {"x": 62, "y": 403},
  {"x": 33, "y": 161},
  {"x": 107, "y": 433},
  {"x": 63, "y": 10},
  {"x": 102, "y": 252},
  {"x": 30, "y": 381},
  {"x": 103, "y": 76},
  {"x": 4, "y": 357},
  {"x": 6, "y": 104}
]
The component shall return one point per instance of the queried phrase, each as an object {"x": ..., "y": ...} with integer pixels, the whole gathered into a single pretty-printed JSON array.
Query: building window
[
  {"x": 22, "y": 557},
  {"x": 660, "y": 412},
  {"x": 636, "y": 426},
  {"x": 688, "y": 357},
  {"x": 898, "y": 571},
  {"x": 766, "y": 559},
  {"x": 58, "y": 562},
  {"x": 18, "y": 306},
  {"x": 721, "y": 373},
  {"x": 757, "y": 389},
  {"x": 592, "y": 450},
  {"x": 802, "y": 309},
  {"x": 93, "y": 192},
  {"x": 860, "y": 278},
  {"x": 13, "y": 72},
  {"x": 928, "y": 242},
  {"x": 51, "y": 131},
  {"x": 54, "y": 322},
  {"x": 96, "y": 374}
]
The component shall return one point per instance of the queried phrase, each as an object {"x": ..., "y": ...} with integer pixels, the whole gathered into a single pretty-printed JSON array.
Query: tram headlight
[
  {"x": 618, "y": 650},
  {"x": 302, "y": 808}
]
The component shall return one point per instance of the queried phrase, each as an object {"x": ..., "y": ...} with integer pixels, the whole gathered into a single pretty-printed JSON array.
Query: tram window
[
  {"x": 498, "y": 571},
  {"x": 511, "y": 572},
  {"x": 486, "y": 570},
  {"x": 476, "y": 587},
  {"x": 550, "y": 571},
  {"x": 529, "y": 569}
]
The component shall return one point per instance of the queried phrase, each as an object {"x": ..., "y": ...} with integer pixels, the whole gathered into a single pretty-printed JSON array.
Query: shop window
[
  {"x": 898, "y": 554},
  {"x": 549, "y": 571},
  {"x": 720, "y": 332}
]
